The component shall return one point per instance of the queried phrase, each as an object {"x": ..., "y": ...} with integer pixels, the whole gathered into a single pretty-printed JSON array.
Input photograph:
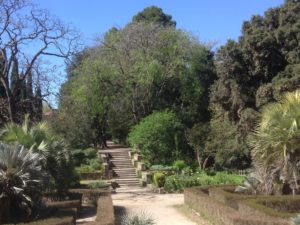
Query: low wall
[
  {"x": 105, "y": 211},
  {"x": 198, "y": 199}
]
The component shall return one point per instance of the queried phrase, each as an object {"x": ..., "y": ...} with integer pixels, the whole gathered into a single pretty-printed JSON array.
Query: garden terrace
[{"x": 229, "y": 208}]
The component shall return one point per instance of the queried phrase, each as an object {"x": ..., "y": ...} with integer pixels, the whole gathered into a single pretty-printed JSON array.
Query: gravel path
[{"x": 160, "y": 206}]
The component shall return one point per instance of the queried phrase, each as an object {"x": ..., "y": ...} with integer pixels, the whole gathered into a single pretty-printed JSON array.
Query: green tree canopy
[
  {"x": 154, "y": 14},
  {"x": 159, "y": 137}
]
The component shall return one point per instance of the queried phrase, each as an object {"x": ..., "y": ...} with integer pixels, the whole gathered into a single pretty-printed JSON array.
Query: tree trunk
[
  {"x": 205, "y": 162},
  {"x": 10, "y": 101},
  {"x": 199, "y": 159}
]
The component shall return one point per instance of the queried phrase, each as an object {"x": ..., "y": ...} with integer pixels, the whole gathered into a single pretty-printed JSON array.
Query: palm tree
[
  {"x": 34, "y": 138},
  {"x": 276, "y": 140},
  {"x": 21, "y": 181},
  {"x": 38, "y": 138}
]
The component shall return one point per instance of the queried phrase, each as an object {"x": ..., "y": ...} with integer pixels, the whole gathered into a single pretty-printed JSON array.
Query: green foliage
[
  {"x": 141, "y": 218},
  {"x": 176, "y": 183},
  {"x": 95, "y": 164},
  {"x": 154, "y": 14},
  {"x": 38, "y": 138},
  {"x": 252, "y": 72},
  {"x": 85, "y": 169},
  {"x": 98, "y": 184},
  {"x": 159, "y": 137},
  {"x": 275, "y": 141},
  {"x": 21, "y": 181},
  {"x": 159, "y": 179},
  {"x": 295, "y": 220},
  {"x": 179, "y": 165},
  {"x": 197, "y": 137},
  {"x": 135, "y": 71},
  {"x": 161, "y": 168}
]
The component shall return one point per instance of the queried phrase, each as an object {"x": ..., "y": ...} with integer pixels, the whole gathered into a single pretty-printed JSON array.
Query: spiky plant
[
  {"x": 21, "y": 180},
  {"x": 275, "y": 142},
  {"x": 37, "y": 138},
  {"x": 141, "y": 218},
  {"x": 295, "y": 220},
  {"x": 34, "y": 138}
]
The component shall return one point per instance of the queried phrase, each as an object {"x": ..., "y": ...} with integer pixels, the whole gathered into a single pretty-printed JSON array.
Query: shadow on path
[
  {"x": 119, "y": 212},
  {"x": 87, "y": 214}
]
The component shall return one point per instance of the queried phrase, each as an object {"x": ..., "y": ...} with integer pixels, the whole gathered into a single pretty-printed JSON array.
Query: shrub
[
  {"x": 179, "y": 165},
  {"x": 159, "y": 137},
  {"x": 85, "y": 169},
  {"x": 98, "y": 184},
  {"x": 21, "y": 182},
  {"x": 90, "y": 153},
  {"x": 141, "y": 218},
  {"x": 177, "y": 183},
  {"x": 159, "y": 179},
  {"x": 161, "y": 168},
  {"x": 95, "y": 164}
]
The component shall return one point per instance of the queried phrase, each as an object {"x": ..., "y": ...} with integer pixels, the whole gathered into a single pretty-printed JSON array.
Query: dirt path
[{"x": 160, "y": 206}]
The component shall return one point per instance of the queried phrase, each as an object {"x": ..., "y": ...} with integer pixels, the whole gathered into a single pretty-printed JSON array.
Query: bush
[
  {"x": 90, "y": 153},
  {"x": 85, "y": 169},
  {"x": 98, "y": 184},
  {"x": 179, "y": 165},
  {"x": 161, "y": 168},
  {"x": 159, "y": 137},
  {"x": 177, "y": 183},
  {"x": 159, "y": 179},
  {"x": 95, "y": 164}
]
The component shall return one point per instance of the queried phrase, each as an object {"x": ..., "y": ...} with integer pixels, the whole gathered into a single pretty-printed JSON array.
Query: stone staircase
[{"x": 123, "y": 170}]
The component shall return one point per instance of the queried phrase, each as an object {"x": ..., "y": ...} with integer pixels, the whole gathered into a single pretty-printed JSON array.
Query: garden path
[{"x": 161, "y": 207}]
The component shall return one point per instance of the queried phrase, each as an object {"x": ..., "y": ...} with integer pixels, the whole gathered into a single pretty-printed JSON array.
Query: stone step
[
  {"x": 127, "y": 176},
  {"x": 124, "y": 169},
  {"x": 120, "y": 162}
]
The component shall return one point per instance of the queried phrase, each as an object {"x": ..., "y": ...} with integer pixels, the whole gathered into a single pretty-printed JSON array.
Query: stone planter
[
  {"x": 141, "y": 166},
  {"x": 137, "y": 157},
  {"x": 146, "y": 176},
  {"x": 134, "y": 162}
]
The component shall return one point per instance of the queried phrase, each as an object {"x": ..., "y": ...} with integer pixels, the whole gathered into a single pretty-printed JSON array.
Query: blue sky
[{"x": 210, "y": 20}]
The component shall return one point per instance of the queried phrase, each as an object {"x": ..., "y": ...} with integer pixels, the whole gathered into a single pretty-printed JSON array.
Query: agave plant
[
  {"x": 275, "y": 142},
  {"x": 21, "y": 180},
  {"x": 295, "y": 220},
  {"x": 141, "y": 218}
]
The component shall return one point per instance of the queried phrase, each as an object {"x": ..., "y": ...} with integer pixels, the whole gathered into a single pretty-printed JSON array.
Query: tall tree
[
  {"x": 256, "y": 69},
  {"x": 154, "y": 14},
  {"x": 23, "y": 24}
]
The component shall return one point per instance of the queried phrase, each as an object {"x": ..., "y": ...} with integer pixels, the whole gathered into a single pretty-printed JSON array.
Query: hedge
[
  {"x": 177, "y": 183},
  {"x": 90, "y": 175},
  {"x": 61, "y": 217},
  {"x": 198, "y": 199},
  {"x": 278, "y": 206},
  {"x": 226, "y": 195}
]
